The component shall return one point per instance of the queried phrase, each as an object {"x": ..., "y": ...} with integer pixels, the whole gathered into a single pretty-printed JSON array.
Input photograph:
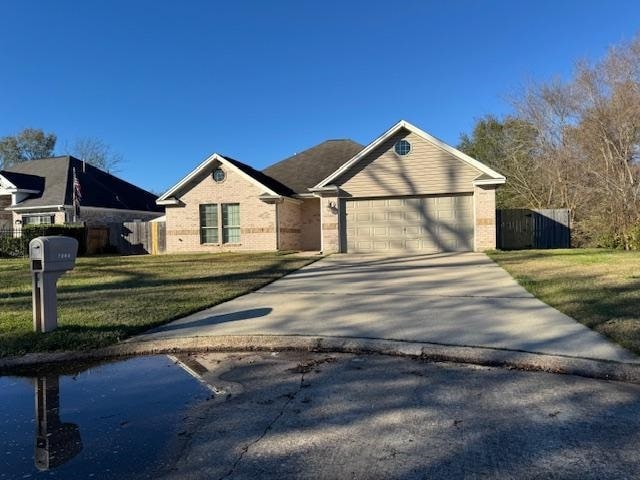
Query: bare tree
[
  {"x": 96, "y": 152},
  {"x": 581, "y": 149}
]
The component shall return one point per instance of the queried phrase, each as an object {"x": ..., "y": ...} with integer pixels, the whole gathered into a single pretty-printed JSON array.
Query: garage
[{"x": 425, "y": 224}]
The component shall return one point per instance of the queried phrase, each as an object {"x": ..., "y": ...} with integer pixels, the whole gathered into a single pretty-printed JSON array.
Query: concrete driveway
[{"x": 461, "y": 299}]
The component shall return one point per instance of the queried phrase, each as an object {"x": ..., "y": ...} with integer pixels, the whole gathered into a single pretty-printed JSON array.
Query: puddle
[{"x": 115, "y": 420}]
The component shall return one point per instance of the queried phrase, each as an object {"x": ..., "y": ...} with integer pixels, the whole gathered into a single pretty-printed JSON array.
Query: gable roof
[
  {"x": 99, "y": 188},
  {"x": 492, "y": 175},
  {"x": 270, "y": 185},
  {"x": 305, "y": 169},
  {"x": 22, "y": 181}
]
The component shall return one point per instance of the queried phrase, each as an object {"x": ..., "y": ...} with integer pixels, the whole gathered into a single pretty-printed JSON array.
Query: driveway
[{"x": 461, "y": 299}]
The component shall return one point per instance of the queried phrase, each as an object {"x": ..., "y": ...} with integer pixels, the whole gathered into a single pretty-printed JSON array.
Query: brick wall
[
  {"x": 329, "y": 220},
  {"x": 289, "y": 219},
  {"x": 257, "y": 219},
  {"x": 310, "y": 224},
  {"x": 485, "y": 215}
]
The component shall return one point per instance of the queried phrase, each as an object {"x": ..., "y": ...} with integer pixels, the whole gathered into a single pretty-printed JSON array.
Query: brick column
[
  {"x": 484, "y": 200},
  {"x": 329, "y": 209}
]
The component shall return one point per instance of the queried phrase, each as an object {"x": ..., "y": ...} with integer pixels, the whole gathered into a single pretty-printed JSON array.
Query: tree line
[
  {"x": 573, "y": 144},
  {"x": 33, "y": 143}
]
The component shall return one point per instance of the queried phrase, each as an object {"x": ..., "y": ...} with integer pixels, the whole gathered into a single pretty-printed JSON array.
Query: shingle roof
[
  {"x": 306, "y": 169},
  {"x": 23, "y": 181},
  {"x": 265, "y": 180},
  {"x": 99, "y": 188}
]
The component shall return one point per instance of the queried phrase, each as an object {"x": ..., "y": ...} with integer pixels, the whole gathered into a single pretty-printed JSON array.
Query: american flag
[
  {"x": 77, "y": 195},
  {"x": 77, "y": 192}
]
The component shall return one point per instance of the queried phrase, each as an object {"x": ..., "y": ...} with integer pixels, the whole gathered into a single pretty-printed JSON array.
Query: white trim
[
  {"x": 490, "y": 181},
  {"x": 169, "y": 201},
  {"x": 39, "y": 207},
  {"x": 5, "y": 183},
  {"x": 201, "y": 167},
  {"x": 421, "y": 133}
]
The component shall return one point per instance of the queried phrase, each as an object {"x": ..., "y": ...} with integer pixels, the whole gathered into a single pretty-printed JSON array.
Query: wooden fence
[
  {"x": 137, "y": 238},
  {"x": 519, "y": 229}
]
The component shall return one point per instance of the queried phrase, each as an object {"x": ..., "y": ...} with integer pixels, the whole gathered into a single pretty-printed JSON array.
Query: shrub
[
  {"x": 12, "y": 246},
  {"x": 18, "y": 246}
]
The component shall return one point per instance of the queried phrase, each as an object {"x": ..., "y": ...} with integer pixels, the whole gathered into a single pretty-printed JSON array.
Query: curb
[{"x": 597, "y": 369}]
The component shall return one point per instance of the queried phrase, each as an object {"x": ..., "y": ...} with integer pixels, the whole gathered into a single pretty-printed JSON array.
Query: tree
[
  {"x": 576, "y": 145},
  {"x": 29, "y": 144},
  {"x": 96, "y": 152},
  {"x": 505, "y": 145}
]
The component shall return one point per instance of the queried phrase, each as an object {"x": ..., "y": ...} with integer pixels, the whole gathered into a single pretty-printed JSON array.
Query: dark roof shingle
[
  {"x": 265, "y": 180},
  {"x": 24, "y": 181},
  {"x": 99, "y": 188},
  {"x": 306, "y": 169}
]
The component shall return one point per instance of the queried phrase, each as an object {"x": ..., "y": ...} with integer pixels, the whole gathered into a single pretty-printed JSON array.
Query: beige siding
[
  {"x": 427, "y": 169},
  {"x": 257, "y": 219},
  {"x": 310, "y": 224},
  {"x": 289, "y": 224}
]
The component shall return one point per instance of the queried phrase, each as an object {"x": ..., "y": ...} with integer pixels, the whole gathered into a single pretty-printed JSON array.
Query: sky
[{"x": 167, "y": 83}]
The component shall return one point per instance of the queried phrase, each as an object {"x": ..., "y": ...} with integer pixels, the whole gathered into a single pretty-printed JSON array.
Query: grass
[
  {"x": 599, "y": 288},
  {"x": 106, "y": 299}
]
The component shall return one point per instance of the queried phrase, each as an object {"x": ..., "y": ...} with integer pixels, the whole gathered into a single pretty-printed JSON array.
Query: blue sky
[{"x": 166, "y": 83}]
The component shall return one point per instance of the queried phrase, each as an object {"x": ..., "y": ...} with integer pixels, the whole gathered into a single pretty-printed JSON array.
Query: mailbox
[
  {"x": 53, "y": 254},
  {"x": 49, "y": 258}
]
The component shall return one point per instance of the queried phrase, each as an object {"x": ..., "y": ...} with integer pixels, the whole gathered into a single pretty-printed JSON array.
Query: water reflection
[
  {"x": 115, "y": 420},
  {"x": 56, "y": 442}
]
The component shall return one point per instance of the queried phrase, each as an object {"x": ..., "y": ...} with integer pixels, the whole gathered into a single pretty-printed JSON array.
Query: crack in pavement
[{"x": 246, "y": 448}]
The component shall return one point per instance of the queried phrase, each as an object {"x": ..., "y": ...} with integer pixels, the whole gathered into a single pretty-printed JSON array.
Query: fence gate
[
  {"x": 135, "y": 238},
  {"x": 523, "y": 228}
]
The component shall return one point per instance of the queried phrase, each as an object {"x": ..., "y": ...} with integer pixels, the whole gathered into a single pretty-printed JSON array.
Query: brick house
[
  {"x": 404, "y": 192},
  {"x": 41, "y": 192}
]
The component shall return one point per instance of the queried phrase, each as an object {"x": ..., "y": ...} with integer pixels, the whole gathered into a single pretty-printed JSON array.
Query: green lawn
[
  {"x": 599, "y": 288},
  {"x": 106, "y": 299}
]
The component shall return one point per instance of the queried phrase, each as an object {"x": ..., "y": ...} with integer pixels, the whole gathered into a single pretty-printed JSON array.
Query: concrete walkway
[{"x": 461, "y": 299}]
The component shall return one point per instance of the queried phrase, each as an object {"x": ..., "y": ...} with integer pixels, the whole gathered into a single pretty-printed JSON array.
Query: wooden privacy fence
[
  {"x": 519, "y": 229},
  {"x": 136, "y": 238}
]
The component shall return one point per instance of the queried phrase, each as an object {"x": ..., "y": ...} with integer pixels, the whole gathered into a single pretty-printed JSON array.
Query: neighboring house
[
  {"x": 404, "y": 192},
  {"x": 41, "y": 192}
]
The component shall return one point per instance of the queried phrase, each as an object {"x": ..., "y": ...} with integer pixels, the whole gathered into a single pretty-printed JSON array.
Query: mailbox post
[{"x": 49, "y": 257}]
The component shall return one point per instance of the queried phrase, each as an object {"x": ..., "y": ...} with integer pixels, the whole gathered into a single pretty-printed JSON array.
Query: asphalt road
[{"x": 296, "y": 415}]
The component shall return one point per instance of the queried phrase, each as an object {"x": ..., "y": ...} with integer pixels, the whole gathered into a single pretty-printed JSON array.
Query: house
[
  {"x": 404, "y": 192},
  {"x": 41, "y": 192}
]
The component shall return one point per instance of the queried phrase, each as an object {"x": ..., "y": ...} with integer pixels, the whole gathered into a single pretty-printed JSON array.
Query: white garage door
[{"x": 416, "y": 224}]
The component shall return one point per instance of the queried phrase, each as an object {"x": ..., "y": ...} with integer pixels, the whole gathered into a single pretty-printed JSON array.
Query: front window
[
  {"x": 37, "y": 219},
  {"x": 231, "y": 223},
  {"x": 209, "y": 223}
]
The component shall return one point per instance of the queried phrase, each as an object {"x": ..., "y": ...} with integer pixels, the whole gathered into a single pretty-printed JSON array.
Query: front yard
[
  {"x": 106, "y": 299},
  {"x": 599, "y": 288}
]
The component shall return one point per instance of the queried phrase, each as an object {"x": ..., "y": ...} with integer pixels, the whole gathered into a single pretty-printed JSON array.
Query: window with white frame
[
  {"x": 38, "y": 219},
  {"x": 230, "y": 223},
  {"x": 209, "y": 223}
]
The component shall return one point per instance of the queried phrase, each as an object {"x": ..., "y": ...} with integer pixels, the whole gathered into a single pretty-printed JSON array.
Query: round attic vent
[
  {"x": 219, "y": 175},
  {"x": 402, "y": 147}
]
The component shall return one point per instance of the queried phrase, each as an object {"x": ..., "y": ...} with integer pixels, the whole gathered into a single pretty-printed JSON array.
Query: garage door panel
[{"x": 420, "y": 224}]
